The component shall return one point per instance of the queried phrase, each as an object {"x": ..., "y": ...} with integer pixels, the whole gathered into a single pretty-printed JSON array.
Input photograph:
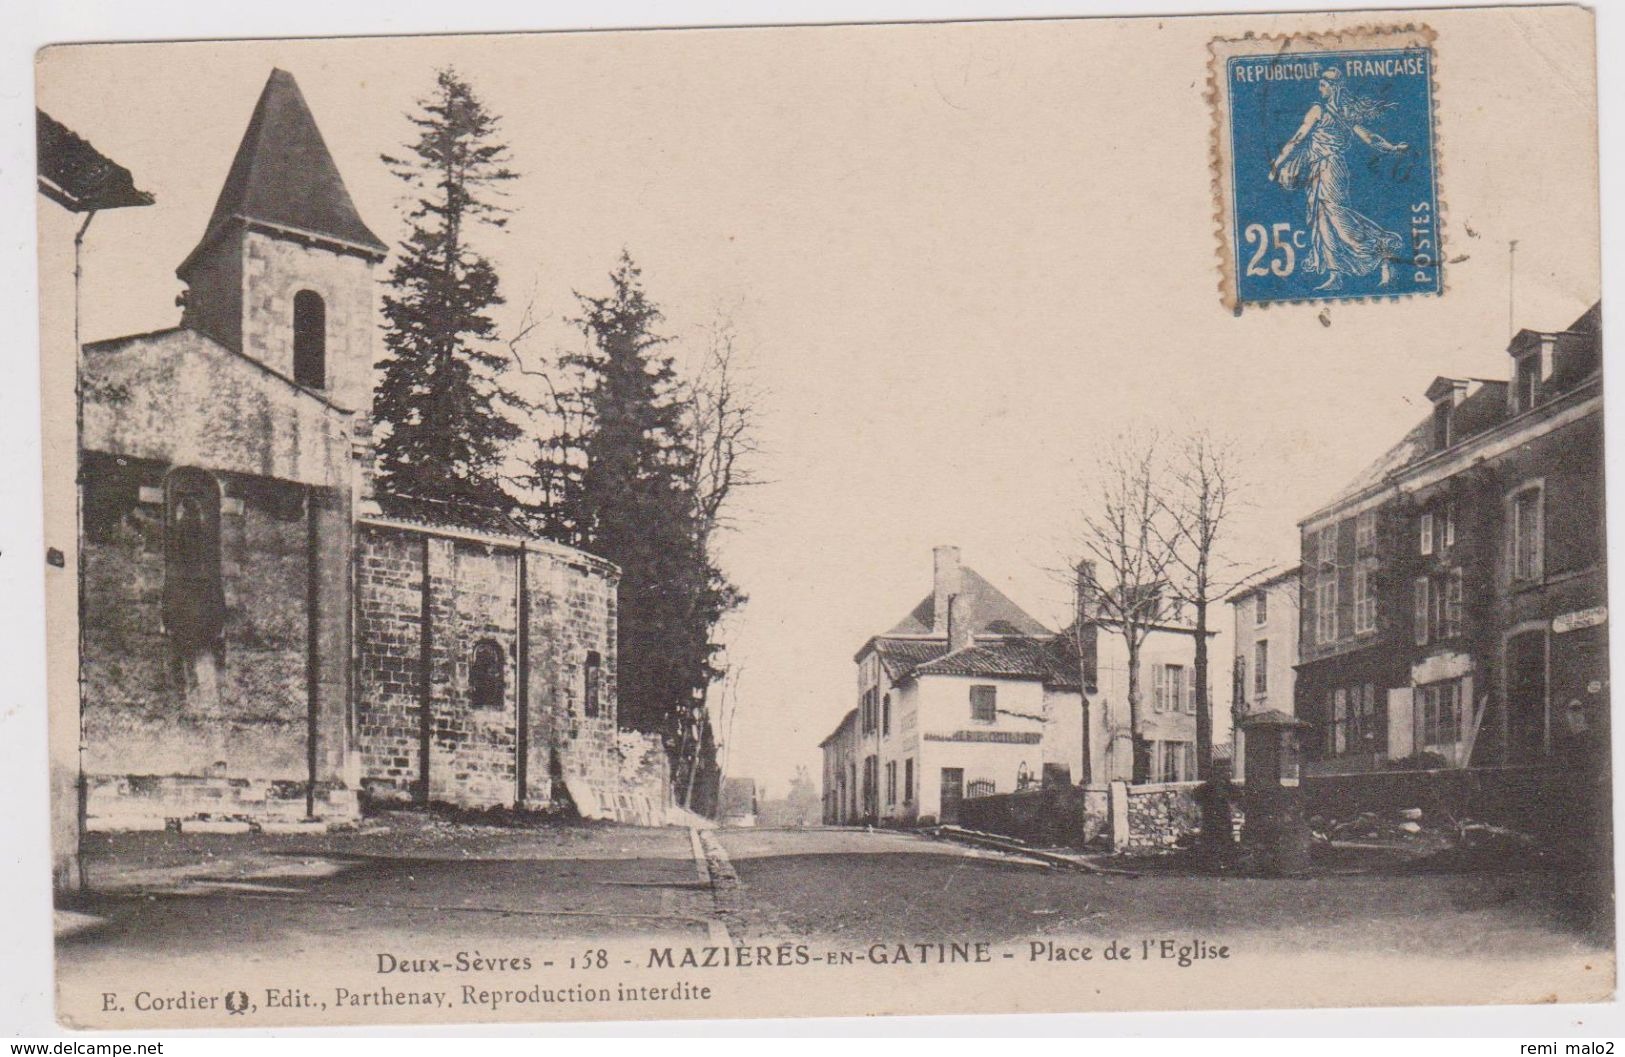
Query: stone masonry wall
[
  {"x": 275, "y": 269},
  {"x": 474, "y": 753},
  {"x": 389, "y": 596},
  {"x": 644, "y": 795},
  {"x": 143, "y": 718},
  {"x": 473, "y": 599},
  {"x": 573, "y": 611},
  {"x": 1159, "y": 815}
]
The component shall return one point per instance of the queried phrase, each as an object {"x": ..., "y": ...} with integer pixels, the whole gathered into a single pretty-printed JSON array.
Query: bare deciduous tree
[
  {"x": 721, "y": 423},
  {"x": 1125, "y": 562},
  {"x": 1199, "y": 492},
  {"x": 1199, "y": 495}
]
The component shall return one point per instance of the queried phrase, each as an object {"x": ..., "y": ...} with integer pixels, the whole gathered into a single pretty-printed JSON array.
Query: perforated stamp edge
[{"x": 1375, "y": 37}]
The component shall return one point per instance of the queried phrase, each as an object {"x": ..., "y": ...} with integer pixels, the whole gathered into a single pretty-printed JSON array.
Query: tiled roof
[
  {"x": 76, "y": 175},
  {"x": 901, "y": 656},
  {"x": 1047, "y": 658},
  {"x": 432, "y": 513},
  {"x": 988, "y": 606},
  {"x": 284, "y": 176}
]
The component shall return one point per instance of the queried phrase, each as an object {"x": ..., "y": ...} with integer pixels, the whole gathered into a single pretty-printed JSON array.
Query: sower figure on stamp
[{"x": 1342, "y": 239}]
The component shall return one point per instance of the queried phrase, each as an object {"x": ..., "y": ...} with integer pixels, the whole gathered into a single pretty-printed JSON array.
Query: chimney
[
  {"x": 945, "y": 584},
  {"x": 1083, "y": 612},
  {"x": 961, "y": 623}
]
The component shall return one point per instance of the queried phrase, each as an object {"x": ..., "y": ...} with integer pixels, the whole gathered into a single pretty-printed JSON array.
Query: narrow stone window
[
  {"x": 591, "y": 691},
  {"x": 194, "y": 607},
  {"x": 487, "y": 676},
  {"x": 310, "y": 339}
]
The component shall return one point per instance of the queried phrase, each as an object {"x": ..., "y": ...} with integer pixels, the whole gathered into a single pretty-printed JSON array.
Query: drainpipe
[
  {"x": 313, "y": 680},
  {"x": 81, "y": 784}
]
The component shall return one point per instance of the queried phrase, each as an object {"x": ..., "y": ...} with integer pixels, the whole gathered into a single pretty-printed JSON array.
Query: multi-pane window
[
  {"x": 1337, "y": 729},
  {"x": 1354, "y": 724},
  {"x": 1365, "y": 598},
  {"x": 871, "y": 710},
  {"x": 1426, "y": 534},
  {"x": 1261, "y": 609},
  {"x": 1328, "y": 545},
  {"x": 1173, "y": 761},
  {"x": 1452, "y": 603},
  {"x": 1326, "y": 609},
  {"x": 984, "y": 706},
  {"x": 1437, "y": 607},
  {"x": 1527, "y": 531},
  {"x": 1441, "y": 712},
  {"x": 1168, "y": 687},
  {"x": 1363, "y": 718},
  {"x": 1261, "y": 668},
  {"x": 1365, "y": 531}
]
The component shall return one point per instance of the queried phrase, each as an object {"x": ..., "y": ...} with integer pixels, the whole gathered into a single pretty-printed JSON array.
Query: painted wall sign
[{"x": 1580, "y": 618}]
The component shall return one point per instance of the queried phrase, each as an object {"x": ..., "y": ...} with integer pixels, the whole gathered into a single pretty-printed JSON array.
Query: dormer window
[
  {"x": 1526, "y": 386},
  {"x": 310, "y": 340},
  {"x": 1441, "y": 425},
  {"x": 1446, "y": 393},
  {"x": 1532, "y": 356}
]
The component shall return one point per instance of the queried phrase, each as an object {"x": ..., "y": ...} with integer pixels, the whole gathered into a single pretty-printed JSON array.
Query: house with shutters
[
  {"x": 969, "y": 695},
  {"x": 264, "y": 636},
  {"x": 1453, "y": 597},
  {"x": 1264, "y": 642}
]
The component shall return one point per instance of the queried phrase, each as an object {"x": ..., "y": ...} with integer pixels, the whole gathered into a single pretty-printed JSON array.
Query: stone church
[{"x": 264, "y": 638}]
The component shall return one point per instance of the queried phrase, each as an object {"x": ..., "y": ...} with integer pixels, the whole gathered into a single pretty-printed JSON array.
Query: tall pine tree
[
  {"x": 620, "y": 483},
  {"x": 440, "y": 394}
]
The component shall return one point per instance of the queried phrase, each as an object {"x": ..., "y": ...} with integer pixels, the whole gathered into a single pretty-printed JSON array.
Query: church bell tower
[{"x": 283, "y": 274}]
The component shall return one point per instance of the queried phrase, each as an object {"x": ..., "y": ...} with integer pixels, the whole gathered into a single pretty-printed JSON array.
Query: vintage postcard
[{"x": 1027, "y": 516}]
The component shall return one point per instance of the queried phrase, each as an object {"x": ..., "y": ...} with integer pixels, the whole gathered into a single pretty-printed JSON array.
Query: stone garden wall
[{"x": 1155, "y": 816}]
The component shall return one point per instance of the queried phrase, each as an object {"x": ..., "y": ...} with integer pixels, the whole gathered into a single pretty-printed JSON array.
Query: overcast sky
[{"x": 959, "y": 258}]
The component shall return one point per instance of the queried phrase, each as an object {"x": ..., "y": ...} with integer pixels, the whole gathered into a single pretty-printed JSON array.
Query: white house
[
  {"x": 969, "y": 695},
  {"x": 1266, "y": 651}
]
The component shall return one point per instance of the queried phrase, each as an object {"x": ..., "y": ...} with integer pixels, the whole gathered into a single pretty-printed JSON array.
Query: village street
[{"x": 414, "y": 886}]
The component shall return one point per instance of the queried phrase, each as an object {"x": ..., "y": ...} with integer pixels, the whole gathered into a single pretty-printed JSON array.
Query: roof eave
[
  {"x": 75, "y": 204},
  {"x": 373, "y": 252}
]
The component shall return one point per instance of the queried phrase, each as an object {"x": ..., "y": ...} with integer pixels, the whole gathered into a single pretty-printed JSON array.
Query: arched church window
[
  {"x": 194, "y": 607},
  {"x": 487, "y": 676},
  {"x": 310, "y": 339}
]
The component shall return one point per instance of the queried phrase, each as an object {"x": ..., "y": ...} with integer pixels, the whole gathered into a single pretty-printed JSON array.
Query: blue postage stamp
[{"x": 1328, "y": 174}]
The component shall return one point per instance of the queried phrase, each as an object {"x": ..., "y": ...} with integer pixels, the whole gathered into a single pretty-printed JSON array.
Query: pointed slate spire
[{"x": 283, "y": 177}]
